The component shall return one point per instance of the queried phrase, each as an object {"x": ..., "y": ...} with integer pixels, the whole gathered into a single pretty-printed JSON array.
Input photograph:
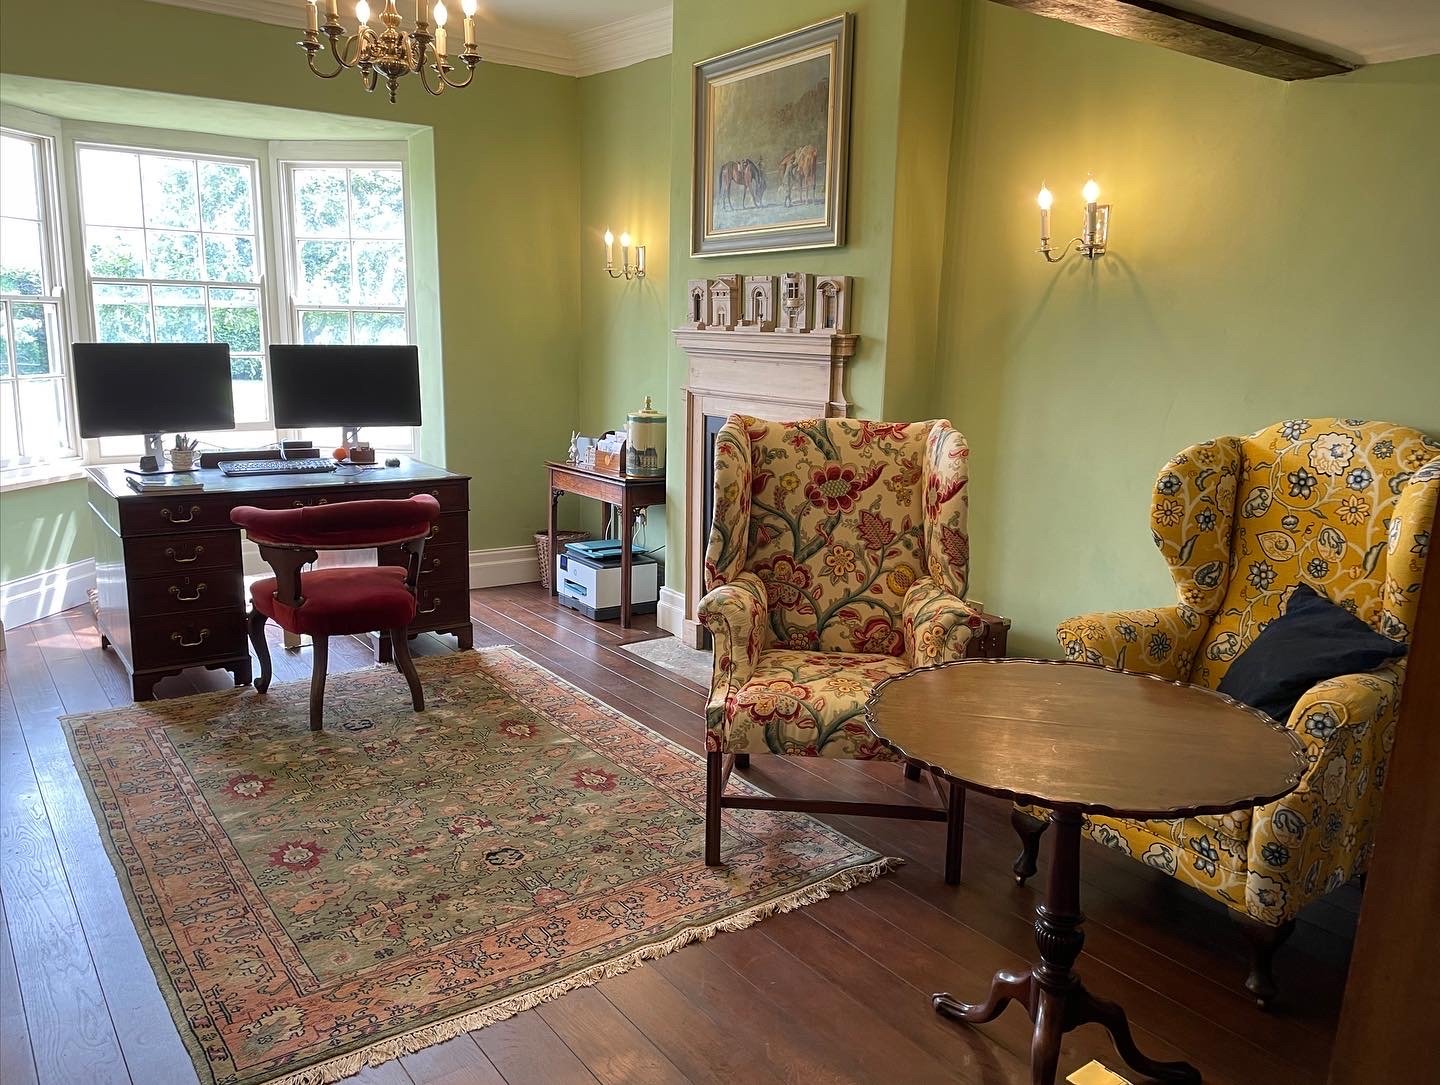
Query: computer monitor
[
  {"x": 345, "y": 386},
  {"x": 124, "y": 389}
]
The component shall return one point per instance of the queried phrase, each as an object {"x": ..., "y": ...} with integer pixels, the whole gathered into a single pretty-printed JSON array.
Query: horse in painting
[
  {"x": 797, "y": 174},
  {"x": 745, "y": 174}
]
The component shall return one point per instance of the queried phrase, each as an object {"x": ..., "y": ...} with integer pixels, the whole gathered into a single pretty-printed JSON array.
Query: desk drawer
[
  {"x": 439, "y": 562},
  {"x": 441, "y": 602},
  {"x": 183, "y": 640},
  {"x": 155, "y": 555},
  {"x": 451, "y": 495},
  {"x": 176, "y": 513},
  {"x": 182, "y": 593}
]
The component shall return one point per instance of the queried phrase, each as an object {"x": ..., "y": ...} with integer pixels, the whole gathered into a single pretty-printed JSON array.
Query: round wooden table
[{"x": 1077, "y": 739}]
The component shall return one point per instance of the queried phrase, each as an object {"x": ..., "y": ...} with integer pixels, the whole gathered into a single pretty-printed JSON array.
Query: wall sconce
[
  {"x": 627, "y": 270},
  {"x": 1093, "y": 233}
]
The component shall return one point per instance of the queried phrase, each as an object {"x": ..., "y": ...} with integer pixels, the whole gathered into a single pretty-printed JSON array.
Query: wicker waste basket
[{"x": 542, "y": 550}]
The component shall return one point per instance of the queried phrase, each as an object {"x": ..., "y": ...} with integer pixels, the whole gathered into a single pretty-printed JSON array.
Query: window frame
[
  {"x": 287, "y": 156},
  {"x": 46, "y": 134}
]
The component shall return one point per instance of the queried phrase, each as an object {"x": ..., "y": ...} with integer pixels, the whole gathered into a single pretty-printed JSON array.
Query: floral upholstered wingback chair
[
  {"x": 838, "y": 557},
  {"x": 1344, "y": 506}
]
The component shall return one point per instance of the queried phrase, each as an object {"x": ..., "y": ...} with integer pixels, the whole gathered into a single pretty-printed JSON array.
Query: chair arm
[
  {"x": 938, "y": 624},
  {"x": 1162, "y": 641},
  {"x": 735, "y": 614},
  {"x": 1319, "y": 836}
]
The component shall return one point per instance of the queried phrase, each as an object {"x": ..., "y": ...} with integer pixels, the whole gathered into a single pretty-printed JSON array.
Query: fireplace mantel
[{"x": 775, "y": 375}]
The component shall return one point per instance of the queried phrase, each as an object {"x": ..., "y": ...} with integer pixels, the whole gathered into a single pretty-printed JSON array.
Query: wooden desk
[
  {"x": 170, "y": 574},
  {"x": 628, "y": 493},
  {"x": 1079, "y": 739}
]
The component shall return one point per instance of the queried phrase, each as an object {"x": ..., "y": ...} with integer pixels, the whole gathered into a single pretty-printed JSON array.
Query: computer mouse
[{"x": 393, "y": 461}]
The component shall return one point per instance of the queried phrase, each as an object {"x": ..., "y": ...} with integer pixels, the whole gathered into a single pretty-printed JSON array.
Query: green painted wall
[
  {"x": 625, "y": 185},
  {"x": 506, "y": 169},
  {"x": 1273, "y": 249},
  {"x": 886, "y": 31},
  {"x": 44, "y": 527}
]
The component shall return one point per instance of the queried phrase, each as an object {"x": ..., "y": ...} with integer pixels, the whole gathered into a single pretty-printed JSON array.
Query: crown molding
[
  {"x": 586, "y": 52},
  {"x": 618, "y": 45}
]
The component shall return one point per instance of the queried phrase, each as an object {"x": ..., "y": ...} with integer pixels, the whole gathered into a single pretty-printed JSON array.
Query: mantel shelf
[{"x": 807, "y": 347}]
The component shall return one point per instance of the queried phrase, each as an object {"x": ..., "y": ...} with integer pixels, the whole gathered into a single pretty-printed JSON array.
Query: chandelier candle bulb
[
  {"x": 312, "y": 17},
  {"x": 468, "y": 7},
  {"x": 441, "y": 17},
  {"x": 332, "y": 10},
  {"x": 362, "y": 13}
]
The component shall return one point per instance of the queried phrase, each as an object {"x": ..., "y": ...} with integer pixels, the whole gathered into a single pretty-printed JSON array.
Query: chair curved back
[
  {"x": 346, "y": 525},
  {"x": 1342, "y": 505},
  {"x": 838, "y": 517}
]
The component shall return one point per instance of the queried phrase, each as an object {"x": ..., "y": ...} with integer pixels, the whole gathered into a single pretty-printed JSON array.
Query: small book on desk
[{"x": 165, "y": 484}]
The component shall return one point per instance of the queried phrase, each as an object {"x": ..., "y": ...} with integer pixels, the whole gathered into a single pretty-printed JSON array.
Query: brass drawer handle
[
  {"x": 432, "y": 609},
  {"x": 311, "y": 504},
  {"x": 175, "y": 591},
  {"x": 180, "y": 640},
  {"x": 170, "y": 553},
  {"x": 432, "y": 493},
  {"x": 175, "y": 519}
]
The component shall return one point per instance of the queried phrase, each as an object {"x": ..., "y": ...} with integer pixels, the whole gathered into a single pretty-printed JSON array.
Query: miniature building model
[
  {"x": 760, "y": 293},
  {"x": 832, "y": 295},
  {"x": 796, "y": 291},
  {"x": 697, "y": 313},
  {"x": 725, "y": 300}
]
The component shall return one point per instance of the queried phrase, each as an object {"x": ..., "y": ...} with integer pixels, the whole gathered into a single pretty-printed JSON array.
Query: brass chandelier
[{"x": 390, "y": 53}]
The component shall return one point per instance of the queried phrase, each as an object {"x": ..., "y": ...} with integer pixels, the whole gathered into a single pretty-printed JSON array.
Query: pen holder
[{"x": 182, "y": 459}]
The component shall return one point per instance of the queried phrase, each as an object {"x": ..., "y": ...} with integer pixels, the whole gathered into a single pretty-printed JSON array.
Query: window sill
[{"x": 45, "y": 474}]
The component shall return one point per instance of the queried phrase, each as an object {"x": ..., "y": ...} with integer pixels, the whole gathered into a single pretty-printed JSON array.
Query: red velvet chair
[{"x": 341, "y": 601}]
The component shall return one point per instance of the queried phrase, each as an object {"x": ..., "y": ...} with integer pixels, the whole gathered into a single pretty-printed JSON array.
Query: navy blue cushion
[{"x": 1312, "y": 641}]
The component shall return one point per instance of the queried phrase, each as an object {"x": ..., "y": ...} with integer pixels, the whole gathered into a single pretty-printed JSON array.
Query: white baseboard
[
  {"x": 504, "y": 565},
  {"x": 31, "y": 598},
  {"x": 670, "y": 616}
]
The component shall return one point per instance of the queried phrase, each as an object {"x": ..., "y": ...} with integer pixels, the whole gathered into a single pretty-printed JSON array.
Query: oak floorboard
[
  {"x": 17, "y": 1061},
  {"x": 457, "y": 1061},
  {"x": 527, "y": 1051},
  {"x": 607, "y": 1041}
]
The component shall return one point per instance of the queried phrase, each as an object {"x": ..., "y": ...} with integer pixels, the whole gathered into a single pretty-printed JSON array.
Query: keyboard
[{"x": 240, "y": 468}]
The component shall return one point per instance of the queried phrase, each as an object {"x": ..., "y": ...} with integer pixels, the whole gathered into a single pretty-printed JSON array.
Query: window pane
[
  {"x": 180, "y": 315},
  {"x": 327, "y": 328},
  {"x": 247, "y": 375},
  {"x": 115, "y": 254},
  {"x": 325, "y": 272},
  {"x": 380, "y": 272},
  {"x": 171, "y": 199},
  {"x": 19, "y": 170},
  {"x": 36, "y": 338},
  {"x": 230, "y": 259},
  {"x": 225, "y": 200},
  {"x": 20, "y": 267},
  {"x": 377, "y": 203},
  {"x": 380, "y": 328},
  {"x": 122, "y": 313},
  {"x": 4, "y": 341},
  {"x": 173, "y": 256},
  {"x": 235, "y": 316},
  {"x": 42, "y": 405},
  {"x": 110, "y": 187},
  {"x": 9, "y": 429},
  {"x": 320, "y": 203}
]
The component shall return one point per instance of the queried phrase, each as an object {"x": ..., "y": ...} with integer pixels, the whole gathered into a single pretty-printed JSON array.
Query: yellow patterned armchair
[
  {"x": 1345, "y": 507},
  {"x": 838, "y": 556}
]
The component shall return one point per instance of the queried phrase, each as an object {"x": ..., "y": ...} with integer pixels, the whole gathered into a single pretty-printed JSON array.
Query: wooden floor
[{"x": 836, "y": 992}]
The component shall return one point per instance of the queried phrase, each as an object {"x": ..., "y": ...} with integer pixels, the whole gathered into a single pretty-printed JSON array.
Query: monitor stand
[{"x": 349, "y": 436}]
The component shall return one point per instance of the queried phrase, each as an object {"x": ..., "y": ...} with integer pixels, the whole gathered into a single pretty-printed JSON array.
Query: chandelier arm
[
  {"x": 310, "y": 59},
  {"x": 435, "y": 91},
  {"x": 469, "y": 76}
]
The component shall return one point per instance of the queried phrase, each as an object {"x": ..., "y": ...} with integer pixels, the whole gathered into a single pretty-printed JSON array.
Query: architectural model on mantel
[{"x": 798, "y": 303}]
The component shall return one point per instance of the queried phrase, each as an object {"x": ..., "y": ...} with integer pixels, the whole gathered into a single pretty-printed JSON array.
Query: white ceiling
[
  {"x": 570, "y": 37},
  {"x": 1369, "y": 31}
]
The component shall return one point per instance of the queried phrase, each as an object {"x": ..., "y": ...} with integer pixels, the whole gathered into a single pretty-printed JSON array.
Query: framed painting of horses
[{"x": 771, "y": 144}]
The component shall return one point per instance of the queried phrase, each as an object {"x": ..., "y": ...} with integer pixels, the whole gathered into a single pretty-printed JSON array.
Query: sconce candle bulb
[
  {"x": 1095, "y": 227},
  {"x": 627, "y": 270}
]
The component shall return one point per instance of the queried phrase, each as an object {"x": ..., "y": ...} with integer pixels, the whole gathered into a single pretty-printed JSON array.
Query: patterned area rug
[
  {"x": 312, "y": 903},
  {"x": 669, "y": 653}
]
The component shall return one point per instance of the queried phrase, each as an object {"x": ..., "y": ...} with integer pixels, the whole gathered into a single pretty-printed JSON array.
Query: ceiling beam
[{"x": 1195, "y": 35}]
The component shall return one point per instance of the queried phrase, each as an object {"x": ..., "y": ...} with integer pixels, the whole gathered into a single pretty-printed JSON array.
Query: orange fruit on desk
[{"x": 342, "y": 453}]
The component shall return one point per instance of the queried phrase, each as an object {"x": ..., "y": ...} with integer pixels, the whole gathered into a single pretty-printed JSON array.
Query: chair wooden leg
[
  {"x": 1030, "y": 830},
  {"x": 318, "y": 667},
  {"x": 954, "y": 834},
  {"x": 262, "y": 649},
  {"x": 400, "y": 644},
  {"x": 714, "y": 786},
  {"x": 1264, "y": 941},
  {"x": 742, "y": 761}
]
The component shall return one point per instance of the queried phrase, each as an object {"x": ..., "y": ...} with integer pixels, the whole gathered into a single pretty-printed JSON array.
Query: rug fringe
[{"x": 343, "y": 1066}]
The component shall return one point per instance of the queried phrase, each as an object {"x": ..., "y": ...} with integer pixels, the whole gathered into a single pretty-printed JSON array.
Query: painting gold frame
[{"x": 825, "y": 228}]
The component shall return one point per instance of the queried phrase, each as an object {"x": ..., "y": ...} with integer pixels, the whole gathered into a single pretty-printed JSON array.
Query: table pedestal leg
[{"x": 1050, "y": 991}]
